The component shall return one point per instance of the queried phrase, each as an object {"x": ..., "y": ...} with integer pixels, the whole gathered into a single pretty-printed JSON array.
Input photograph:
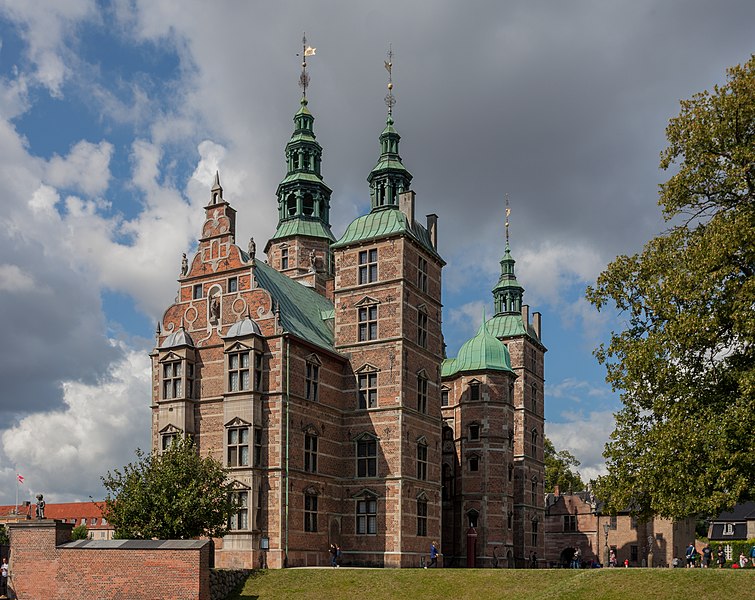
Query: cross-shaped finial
[{"x": 390, "y": 101}]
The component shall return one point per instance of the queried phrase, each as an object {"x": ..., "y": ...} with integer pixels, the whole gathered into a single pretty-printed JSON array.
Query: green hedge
[{"x": 737, "y": 547}]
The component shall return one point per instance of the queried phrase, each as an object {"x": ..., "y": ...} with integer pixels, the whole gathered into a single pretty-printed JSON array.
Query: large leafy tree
[
  {"x": 176, "y": 494},
  {"x": 685, "y": 359},
  {"x": 560, "y": 469}
]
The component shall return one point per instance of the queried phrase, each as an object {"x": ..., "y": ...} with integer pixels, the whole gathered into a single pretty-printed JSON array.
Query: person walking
[
  {"x": 707, "y": 556},
  {"x": 752, "y": 555},
  {"x": 721, "y": 557},
  {"x": 690, "y": 555},
  {"x": 433, "y": 555},
  {"x": 332, "y": 551},
  {"x": 338, "y": 555},
  {"x": 742, "y": 560},
  {"x": 4, "y": 579}
]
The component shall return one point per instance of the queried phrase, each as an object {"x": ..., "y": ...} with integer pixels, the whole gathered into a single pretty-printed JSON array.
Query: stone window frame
[
  {"x": 196, "y": 291},
  {"x": 422, "y": 273},
  {"x": 422, "y": 321},
  {"x": 473, "y": 462},
  {"x": 367, "y": 266},
  {"x": 510, "y": 519},
  {"x": 444, "y": 395},
  {"x": 311, "y": 449},
  {"x": 181, "y": 376},
  {"x": 238, "y": 426},
  {"x": 422, "y": 504},
  {"x": 168, "y": 435},
  {"x": 535, "y": 523},
  {"x": 285, "y": 259},
  {"x": 367, "y": 323},
  {"x": 613, "y": 522},
  {"x": 533, "y": 440},
  {"x": 422, "y": 389},
  {"x": 257, "y": 449},
  {"x": 235, "y": 364},
  {"x": 533, "y": 483},
  {"x": 422, "y": 461},
  {"x": 240, "y": 521},
  {"x": 570, "y": 523},
  {"x": 312, "y": 378},
  {"x": 366, "y": 451},
  {"x": 366, "y": 513},
  {"x": 367, "y": 387},
  {"x": 311, "y": 509},
  {"x": 473, "y": 517},
  {"x": 475, "y": 390},
  {"x": 233, "y": 285},
  {"x": 475, "y": 430}
]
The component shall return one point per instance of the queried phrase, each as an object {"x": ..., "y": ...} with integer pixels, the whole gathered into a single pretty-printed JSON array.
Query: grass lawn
[{"x": 484, "y": 584}]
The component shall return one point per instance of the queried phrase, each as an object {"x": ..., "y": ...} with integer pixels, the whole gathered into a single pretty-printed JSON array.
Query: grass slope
[{"x": 484, "y": 584}]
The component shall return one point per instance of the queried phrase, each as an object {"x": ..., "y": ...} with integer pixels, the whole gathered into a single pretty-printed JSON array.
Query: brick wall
[{"x": 45, "y": 565}]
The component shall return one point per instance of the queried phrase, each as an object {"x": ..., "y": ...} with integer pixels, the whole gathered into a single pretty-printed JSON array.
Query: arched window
[
  {"x": 308, "y": 205},
  {"x": 291, "y": 205},
  {"x": 534, "y": 442}
]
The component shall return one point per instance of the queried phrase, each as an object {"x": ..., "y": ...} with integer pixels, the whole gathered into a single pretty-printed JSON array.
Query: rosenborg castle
[{"x": 317, "y": 374}]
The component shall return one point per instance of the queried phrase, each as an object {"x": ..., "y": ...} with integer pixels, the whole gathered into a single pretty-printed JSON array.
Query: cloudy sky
[{"x": 114, "y": 117}]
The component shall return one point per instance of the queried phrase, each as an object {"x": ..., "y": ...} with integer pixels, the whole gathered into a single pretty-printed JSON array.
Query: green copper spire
[
  {"x": 389, "y": 177},
  {"x": 303, "y": 197},
  {"x": 507, "y": 294},
  {"x": 484, "y": 352}
]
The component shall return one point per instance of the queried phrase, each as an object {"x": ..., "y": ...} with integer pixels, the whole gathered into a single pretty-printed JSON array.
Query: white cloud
[
  {"x": 585, "y": 436},
  {"x": 67, "y": 450},
  {"x": 86, "y": 168},
  {"x": 13, "y": 279},
  {"x": 576, "y": 390}
]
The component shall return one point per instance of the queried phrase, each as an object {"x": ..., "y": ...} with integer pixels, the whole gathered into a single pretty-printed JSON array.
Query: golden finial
[
  {"x": 305, "y": 52},
  {"x": 508, "y": 212},
  {"x": 389, "y": 99}
]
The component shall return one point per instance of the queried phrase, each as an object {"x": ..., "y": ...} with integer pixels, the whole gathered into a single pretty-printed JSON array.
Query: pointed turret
[
  {"x": 389, "y": 177},
  {"x": 507, "y": 294}
]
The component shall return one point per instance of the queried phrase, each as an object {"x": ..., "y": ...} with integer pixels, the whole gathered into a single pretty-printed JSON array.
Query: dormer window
[
  {"x": 238, "y": 371},
  {"x": 172, "y": 380},
  {"x": 728, "y": 528}
]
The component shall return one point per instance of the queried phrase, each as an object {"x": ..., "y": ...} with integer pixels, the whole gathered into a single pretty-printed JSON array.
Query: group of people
[
  {"x": 705, "y": 558},
  {"x": 335, "y": 555}
]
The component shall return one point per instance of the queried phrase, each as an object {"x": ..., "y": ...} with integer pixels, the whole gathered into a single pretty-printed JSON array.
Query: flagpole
[{"x": 18, "y": 483}]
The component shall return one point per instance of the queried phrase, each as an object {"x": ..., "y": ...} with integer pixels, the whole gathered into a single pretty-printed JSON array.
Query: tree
[
  {"x": 4, "y": 538},
  {"x": 80, "y": 532},
  {"x": 558, "y": 469},
  {"x": 685, "y": 360},
  {"x": 175, "y": 494}
]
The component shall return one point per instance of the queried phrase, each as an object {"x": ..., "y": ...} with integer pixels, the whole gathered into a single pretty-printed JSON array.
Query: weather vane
[
  {"x": 390, "y": 101},
  {"x": 508, "y": 212},
  {"x": 305, "y": 52}
]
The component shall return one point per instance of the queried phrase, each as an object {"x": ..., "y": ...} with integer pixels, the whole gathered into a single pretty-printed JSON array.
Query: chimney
[
  {"x": 432, "y": 229},
  {"x": 536, "y": 323},
  {"x": 556, "y": 491},
  {"x": 406, "y": 205},
  {"x": 525, "y": 315}
]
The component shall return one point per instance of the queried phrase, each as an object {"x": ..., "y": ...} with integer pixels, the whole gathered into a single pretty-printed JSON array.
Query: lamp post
[{"x": 606, "y": 527}]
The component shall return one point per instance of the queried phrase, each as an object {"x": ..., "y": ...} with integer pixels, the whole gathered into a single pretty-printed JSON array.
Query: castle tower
[
  {"x": 511, "y": 325},
  {"x": 387, "y": 298},
  {"x": 300, "y": 247}
]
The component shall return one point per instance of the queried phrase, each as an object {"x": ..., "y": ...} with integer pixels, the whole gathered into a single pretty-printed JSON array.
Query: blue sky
[{"x": 115, "y": 116}]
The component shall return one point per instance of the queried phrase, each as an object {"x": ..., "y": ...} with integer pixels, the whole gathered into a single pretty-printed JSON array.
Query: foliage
[
  {"x": 512, "y": 584},
  {"x": 175, "y": 494},
  {"x": 80, "y": 532},
  {"x": 4, "y": 540},
  {"x": 558, "y": 469},
  {"x": 685, "y": 361},
  {"x": 737, "y": 547}
]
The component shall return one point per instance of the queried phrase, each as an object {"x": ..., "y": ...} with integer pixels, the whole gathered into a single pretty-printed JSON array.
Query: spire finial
[
  {"x": 508, "y": 212},
  {"x": 304, "y": 77},
  {"x": 390, "y": 101}
]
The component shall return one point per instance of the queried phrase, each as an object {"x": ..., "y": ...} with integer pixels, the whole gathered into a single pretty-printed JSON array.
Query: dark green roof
[
  {"x": 383, "y": 223},
  {"x": 483, "y": 352},
  {"x": 510, "y": 325},
  {"x": 301, "y": 308},
  {"x": 304, "y": 227}
]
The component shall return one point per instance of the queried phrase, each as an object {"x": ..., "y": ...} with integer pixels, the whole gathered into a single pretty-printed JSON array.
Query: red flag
[{"x": 20, "y": 478}]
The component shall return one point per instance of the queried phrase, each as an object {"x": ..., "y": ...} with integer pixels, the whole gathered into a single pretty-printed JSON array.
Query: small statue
[
  {"x": 184, "y": 264},
  {"x": 252, "y": 248},
  {"x": 40, "y": 506},
  {"x": 215, "y": 308},
  {"x": 312, "y": 261}
]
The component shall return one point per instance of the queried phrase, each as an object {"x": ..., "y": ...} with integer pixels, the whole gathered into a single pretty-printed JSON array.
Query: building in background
[
  {"x": 575, "y": 521},
  {"x": 88, "y": 514}
]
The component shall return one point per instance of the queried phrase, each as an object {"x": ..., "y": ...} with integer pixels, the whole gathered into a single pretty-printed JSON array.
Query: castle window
[
  {"x": 534, "y": 488},
  {"x": 233, "y": 284},
  {"x": 172, "y": 379},
  {"x": 570, "y": 523},
  {"x": 444, "y": 397},
  {"x": 284, "y": 258},
  {"x": 474, "y": 432},
  {"x": 422, "y": 274},
  {"x": 367, "y": 323},
  {"x": 310, "y": 513},
  {"x": 422, "y": 461},
  {"x": 534, "y": 442},
  {"x": 421, "y": 517},
  {"x": 510, "y": 519},
  {"x": 308, "y": 205},
  {"x": 474, "y": 391},
  {"x": 614, "y": 522},
  {"x": 196, "y": 291},
  {"x": 310, "y": 453},
  {"x": 422, "y": 327},
  {"x": 367, "y": 516},
  {"x": 422, "y": 393},
  {"x": 238, "y": 371},
  {"x": 511, "y": 472},
  {"x": 312, "y": 381},
  {"x": 238, "y": 447},
  {"x": 258, "y": 358},
  {"x": 535, "y": 527},
  {"x": 368, "y": 266},
  {"x": 257, "y": 446},
  {"x": 534, "y": 397},
  {"x": 240, "y": 521},
  {"x": 367, "y": 390},
  {"x": 367, "y": 457},
  {"x": 472, "y": 517},
  {"x": 167, "y": 440},
  {"x": 474, "y": 464}
]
